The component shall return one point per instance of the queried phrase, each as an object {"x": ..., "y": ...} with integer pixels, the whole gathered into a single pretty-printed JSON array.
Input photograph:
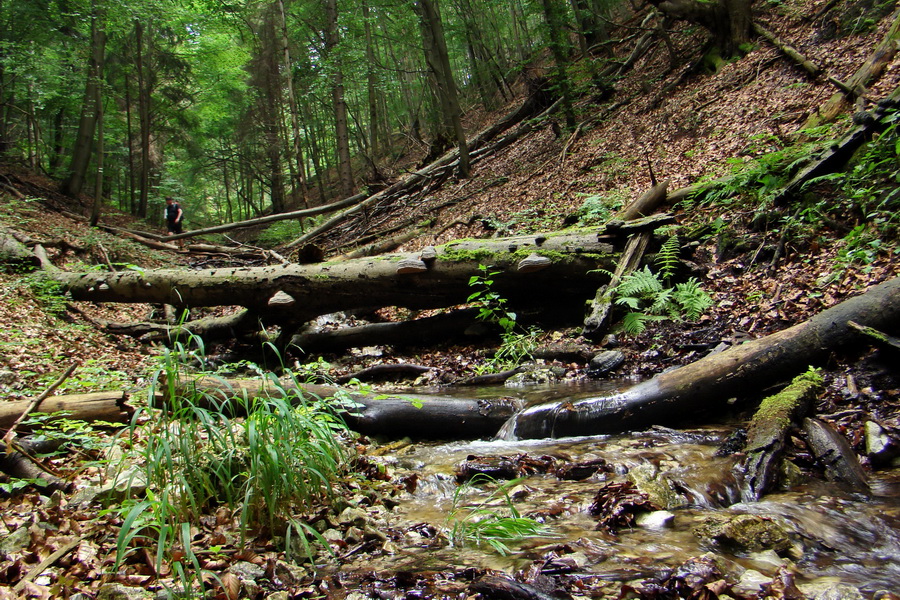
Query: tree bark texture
[
  {"x": 566, "y": 268},
  {"x": 393, "y": 415},
  {"x": 768, "y": 430},
  {"x": 99, "y": 406},
  {"x": 709, "y": 382}
]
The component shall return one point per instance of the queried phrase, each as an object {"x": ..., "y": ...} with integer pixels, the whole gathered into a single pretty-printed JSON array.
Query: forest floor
[{"x": 688, "y": 125}]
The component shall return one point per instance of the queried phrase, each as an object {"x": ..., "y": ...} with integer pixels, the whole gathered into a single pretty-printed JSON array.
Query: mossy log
[
  {"x": 392, "y": 415},
  {"x": 710, "y": 382},
  {"x": 531, "y": 270},
  {"x": 768, "y": 431}
]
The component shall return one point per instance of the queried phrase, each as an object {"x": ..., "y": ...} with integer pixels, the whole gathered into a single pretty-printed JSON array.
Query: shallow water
[{"x": 836, "y": 534}]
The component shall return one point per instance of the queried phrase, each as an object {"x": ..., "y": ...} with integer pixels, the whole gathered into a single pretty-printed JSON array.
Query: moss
[{"x": 781, "y": 407}]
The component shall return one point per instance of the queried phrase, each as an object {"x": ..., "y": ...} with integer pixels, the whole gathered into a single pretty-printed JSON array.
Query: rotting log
[
  {"x": 631, "y": 259},
  {"x": 710, "y": 382},
  {"x": 833, "y": 452},
  {"x": 391, "y": 415},
  {"x": 839, "y": 153},
  {"x": 869, "y": 71},
  {"x": 98, "y": 406},
  {"x": 768, "y": 430},
  {"x": 301, "y": 292}
]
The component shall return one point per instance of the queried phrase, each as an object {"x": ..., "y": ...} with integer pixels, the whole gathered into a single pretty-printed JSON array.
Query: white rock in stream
[
  {"x": 751, "y": 583},
  {"x": 658, "y": 519},
  {"x": 829, "y": 588}
]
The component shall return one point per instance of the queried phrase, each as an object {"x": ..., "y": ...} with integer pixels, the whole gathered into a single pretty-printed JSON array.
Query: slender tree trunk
[
  {"x": 342, "y": 133},
  {"x": 439, "y": 62},
  {"x": 144, "y": 121},
  {"x": 299, "y": 185},
  {"x": 81, "y": 152},
  {"x": 98, "y": 181},
  {"x": 372, "y": 94},
  {"x": 554, "y": 16}
]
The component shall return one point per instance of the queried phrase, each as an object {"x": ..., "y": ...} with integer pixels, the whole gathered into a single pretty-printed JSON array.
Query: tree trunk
[
  {"x": 712, "y": 380},
  {"x": 567, "y": 268},
  {"x": 298, "y": 189},
  {"x": 438, "y": 60},
  {"x": 729, "y": 21},
  {"x": 407, "y": 415},
  {"x": 84, "y": 140},
  {"x": 342, "y": 133}
]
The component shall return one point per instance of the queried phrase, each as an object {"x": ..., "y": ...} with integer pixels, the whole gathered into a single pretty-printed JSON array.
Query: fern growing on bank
[{"x": 644, "y": 292}]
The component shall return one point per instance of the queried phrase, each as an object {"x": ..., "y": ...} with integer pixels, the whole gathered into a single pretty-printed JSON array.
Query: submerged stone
[{"x": 744, "y": 533}]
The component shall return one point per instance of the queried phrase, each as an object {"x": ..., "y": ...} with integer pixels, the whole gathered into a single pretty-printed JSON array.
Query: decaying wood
[
  {"x": 631, "y": 258},
  {"x": 240, "y": 323},
  {"x": 445, "y": 327},
  {"x": 880, "y": 337},
  {"x": 768, "y": 431},
  {"x": 870, "y": 70},
  {"x": 373, "y": 282},
  {"x": 710, "y": 382},
  {"x": 98, "y": 406},
  {"x": 10, "y": 434},
  {"x": 15, "y": 254},
  {"x": 491, "y": 587},
  {"x": 834, "y": 453},
  {"x": 394, "y": 415},
  {"x": 838, "y": 154},
  {"x": 22, "y": 466}
]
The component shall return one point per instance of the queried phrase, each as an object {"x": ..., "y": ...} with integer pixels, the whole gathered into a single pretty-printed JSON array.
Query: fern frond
[
  {"x": 663, "y": 303},
  {"x": 667, "y": 259},
  {"x": 639, "y": 284},
  {"x": 692, "y": 298}
]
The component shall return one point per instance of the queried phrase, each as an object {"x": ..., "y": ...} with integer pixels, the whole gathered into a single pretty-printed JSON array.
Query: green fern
[
  {"x": 649, "y": 300},
  {"x": 667, "y": 259},
  {"x": 692, "y": 299}
]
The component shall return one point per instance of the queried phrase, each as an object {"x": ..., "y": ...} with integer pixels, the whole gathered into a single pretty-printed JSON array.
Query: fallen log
[
  {"x": 768, "y": 430},
  {"x": 300, "y": 292},
  {"x": 869, "y": 71},
  {"x": 98, "y": 406},
  {"x": 711, "y": 381},
  {"x": 391, "y": 415},
  {"x": 839, "y": 153}
]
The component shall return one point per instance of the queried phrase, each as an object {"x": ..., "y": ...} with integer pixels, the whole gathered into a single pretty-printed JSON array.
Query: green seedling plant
[
  {"x": 516, "y": 347},
  {"x": 484, "y": 524}
]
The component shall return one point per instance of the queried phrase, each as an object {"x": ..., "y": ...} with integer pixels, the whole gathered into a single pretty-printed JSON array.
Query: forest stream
[{"x": 834, "y": 538}]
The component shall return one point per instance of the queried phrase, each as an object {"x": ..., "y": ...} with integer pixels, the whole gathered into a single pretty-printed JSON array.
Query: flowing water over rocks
[{"x": 831, "y": 541}]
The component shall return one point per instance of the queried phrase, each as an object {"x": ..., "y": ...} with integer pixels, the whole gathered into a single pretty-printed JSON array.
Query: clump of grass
[
  {"x": 282, "y": 459},
  {"x": 484, "y": 523}
]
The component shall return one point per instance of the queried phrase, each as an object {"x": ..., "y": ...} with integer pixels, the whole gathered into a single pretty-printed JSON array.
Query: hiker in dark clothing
[{"x": 174, "y": 216}]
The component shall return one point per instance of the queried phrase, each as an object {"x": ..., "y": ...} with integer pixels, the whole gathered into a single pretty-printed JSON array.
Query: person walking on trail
[{"x": 174, "y": 216}]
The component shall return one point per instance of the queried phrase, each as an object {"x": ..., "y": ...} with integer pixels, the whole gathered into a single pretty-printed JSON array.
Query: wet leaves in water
[
  {"x": 503, "y": 467},
  {"x": 617, "y": 504}
]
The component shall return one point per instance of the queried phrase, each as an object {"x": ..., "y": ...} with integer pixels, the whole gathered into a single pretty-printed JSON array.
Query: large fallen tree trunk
[
  {"x": 393, "y": 415},
  {"x": 98, "y": 406},
  {"x": 711, "y": 381},
  {"x": 531, "y": 270}
]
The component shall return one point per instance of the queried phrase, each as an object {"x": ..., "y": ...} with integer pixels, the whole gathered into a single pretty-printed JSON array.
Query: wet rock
[
  {"x": 535, "y": 377},
  {"x": 834, "y": 452},
  {"x": 658, "y": 488},
  {"x": 604, "y": 362},
  {"x": 766, "y": 561},
  {"x": 750, "y": 584},
  {"x": 503, "y": 467},
  {"x": 744, "y": 533},
  {"x": 880, "y": 447},
  {"x": 582, "y": 470},
  {"x": 658, "y": 519},
  {"x": 830, "y": 589},
  {"x": 117, "y": 591}
]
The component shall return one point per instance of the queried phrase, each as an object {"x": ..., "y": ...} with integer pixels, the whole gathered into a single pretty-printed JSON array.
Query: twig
[
  {"x": 11, "y": 433},
  {"x": 47, "y": 562}
]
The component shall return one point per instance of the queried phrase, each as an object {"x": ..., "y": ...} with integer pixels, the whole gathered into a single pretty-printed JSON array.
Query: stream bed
[{"x": 837, "y": 544}]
